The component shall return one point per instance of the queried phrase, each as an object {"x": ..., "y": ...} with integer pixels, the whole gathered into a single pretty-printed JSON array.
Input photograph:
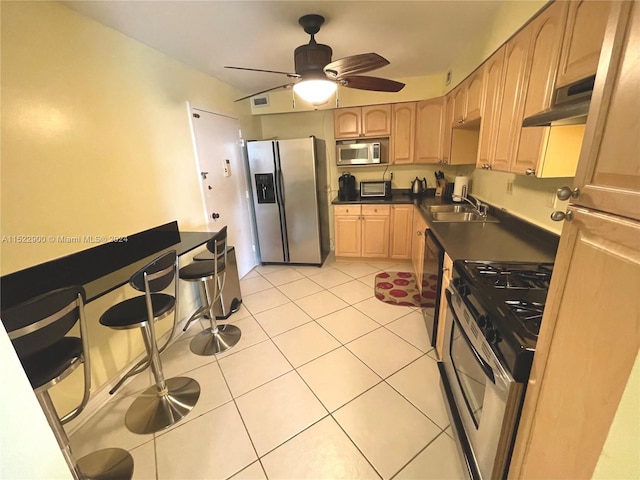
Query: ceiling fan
[{"x": 317, "y": 77}]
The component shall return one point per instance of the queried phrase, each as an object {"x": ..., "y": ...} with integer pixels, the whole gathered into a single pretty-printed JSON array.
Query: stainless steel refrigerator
[{"x": 288, "y": 179}]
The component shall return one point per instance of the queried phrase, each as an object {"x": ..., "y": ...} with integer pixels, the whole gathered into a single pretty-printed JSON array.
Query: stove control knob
[
  {"x": 493, "y": 336},
  {"x": 483, "y": 322}
]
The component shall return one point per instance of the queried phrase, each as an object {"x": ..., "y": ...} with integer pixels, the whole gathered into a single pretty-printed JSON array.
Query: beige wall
[
  {"x": 96, "y": 140},
  {"x": 95, "y": 132}
]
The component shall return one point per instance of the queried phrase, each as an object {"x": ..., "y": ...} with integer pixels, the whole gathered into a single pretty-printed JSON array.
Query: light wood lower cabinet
[
  {"x": 362, "y": 230},
  {"x": 401, "y": 231},
  {"x": 417, "y": 248},
  {"x": 447, "y": 270}
]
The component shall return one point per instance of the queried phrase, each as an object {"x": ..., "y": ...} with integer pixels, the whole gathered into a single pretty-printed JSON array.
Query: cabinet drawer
[
  {"x": 346, "y": 210},
  {"x": 376, "y": 209}
]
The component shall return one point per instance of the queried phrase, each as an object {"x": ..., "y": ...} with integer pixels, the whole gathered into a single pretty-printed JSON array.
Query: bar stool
[
  {"x": 168, "y": 401},
  {"x": 37, "y": 328},
  {"x": 215, "y": 339}
]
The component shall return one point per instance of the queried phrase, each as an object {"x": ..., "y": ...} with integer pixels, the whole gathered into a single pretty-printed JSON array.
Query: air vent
[{"x": 260, "y": 101}]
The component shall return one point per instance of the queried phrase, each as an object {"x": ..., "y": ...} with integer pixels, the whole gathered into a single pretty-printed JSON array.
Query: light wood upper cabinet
[
  {"x": 430, "y": 130},
  {"x": 584, "y": 32},
  {"x": 491, "y": 98},
  {"x": 355, "y": 122},
  {"x": 509, "y": 118},
  {"x": 347, "y": 122},
  {"x": 401, "y": 231},
  {"x": 403, "y": 132},
  {"x": 475, "y": 87},
  {"x": 446, "y": 137},
  {"x": 467, "y": 98},
  {"x": 546, "y": 34},
  {"x": 608, "y": 175}
]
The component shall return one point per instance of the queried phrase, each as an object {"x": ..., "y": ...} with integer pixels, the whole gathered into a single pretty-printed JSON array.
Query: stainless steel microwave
[{"x": 358, "y": 153}]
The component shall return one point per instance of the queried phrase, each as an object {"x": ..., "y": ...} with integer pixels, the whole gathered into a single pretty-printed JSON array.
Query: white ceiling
[{"x": 417, "y": 37}]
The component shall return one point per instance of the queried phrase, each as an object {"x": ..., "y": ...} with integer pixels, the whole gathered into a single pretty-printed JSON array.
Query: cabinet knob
[
  {"x": 486, "y": 166},
  {"x": 418, "y": 233},
  {"x": 530, "y": 171},
  {"x": 444, "y": 162},
  {"x": 558, "y": 216},
  {"x": 565, "y": 193}
]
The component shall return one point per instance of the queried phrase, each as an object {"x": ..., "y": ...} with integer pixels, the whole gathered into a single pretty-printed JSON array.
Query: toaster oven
[{"x": 380, "y": 189}]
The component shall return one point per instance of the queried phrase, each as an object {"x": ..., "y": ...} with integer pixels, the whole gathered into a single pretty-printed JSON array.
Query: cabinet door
[
  {"x": 447, "y": 269},
  {"x": 510, "y": 114},
  {"x": 417, "y": 249},
  {"x": 403, "y": 124},
  {"x": 583, "y": 36},
  {"x": 348, "y": 236},
  {"x": 376, "y": 121},
  {"x": 348, "y": 230},
  {"x": 459, "y": 99},
  {"x": 375, "y": 236},
  {"x": 429, "y": 130},
  {"x": 588, "y": 342},
  {"x": 401, "y": 231},
  {"x": 346, "y": 122},
  {"x": 608, "y": 173},
  {"x": 491, "y": 98},
  {"x": 474, "y": 86},
  {"x": 446, "y": 135},
  {"x": 546, "y": 34}
]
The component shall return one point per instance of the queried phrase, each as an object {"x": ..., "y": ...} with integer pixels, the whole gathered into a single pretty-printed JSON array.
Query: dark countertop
[
  {"x": 510, "y": 239},
  {"x": 102, "y": 268}
]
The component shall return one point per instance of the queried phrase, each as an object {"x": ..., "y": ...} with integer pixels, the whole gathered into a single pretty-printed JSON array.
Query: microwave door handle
[{"x": 486, "y": 368}]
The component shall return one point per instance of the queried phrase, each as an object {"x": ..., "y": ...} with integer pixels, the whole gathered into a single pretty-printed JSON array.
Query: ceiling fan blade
[
  {"x": 371, "y": 83},
  {"x": 291, "y": 75},
  {"x": 365, "y": 62},
  {"x": 287, "y": 85}
]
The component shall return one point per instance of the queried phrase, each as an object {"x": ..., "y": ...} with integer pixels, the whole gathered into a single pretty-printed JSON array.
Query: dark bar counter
[{"x": 99, "y": 269}]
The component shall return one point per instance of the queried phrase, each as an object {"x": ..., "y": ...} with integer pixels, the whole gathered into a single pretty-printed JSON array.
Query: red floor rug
[{"x": 400, "y": 288}]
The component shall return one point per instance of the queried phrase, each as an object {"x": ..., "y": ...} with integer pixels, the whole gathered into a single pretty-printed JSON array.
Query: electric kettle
[{"x": 418, "y": 186}]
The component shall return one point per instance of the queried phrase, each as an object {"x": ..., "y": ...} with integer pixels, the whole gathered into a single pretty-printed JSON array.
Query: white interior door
[{"x": 224, "y": 185}]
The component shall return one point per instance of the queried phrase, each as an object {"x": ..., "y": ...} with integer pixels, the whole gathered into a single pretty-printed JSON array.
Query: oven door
[
  {"x": 483, "y": 395},
  {"x": 431, "y": 284}
]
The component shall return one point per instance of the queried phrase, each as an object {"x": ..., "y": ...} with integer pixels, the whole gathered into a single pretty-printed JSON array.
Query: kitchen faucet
[{"x": 480, "y": 207}]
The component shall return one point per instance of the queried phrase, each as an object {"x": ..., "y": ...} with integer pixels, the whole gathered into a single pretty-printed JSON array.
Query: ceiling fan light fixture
[{"x": 315, "y": 91}]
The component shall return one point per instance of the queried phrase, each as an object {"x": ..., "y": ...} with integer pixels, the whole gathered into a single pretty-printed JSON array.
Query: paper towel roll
[{"x": 460, "y": 186}]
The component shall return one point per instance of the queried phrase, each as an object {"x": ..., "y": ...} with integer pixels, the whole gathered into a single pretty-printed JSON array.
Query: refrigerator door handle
[{"x": 280, "y": 195}]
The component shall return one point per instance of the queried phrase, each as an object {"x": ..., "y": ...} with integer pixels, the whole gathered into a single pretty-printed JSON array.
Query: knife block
[{"x": 440, "y": 189}]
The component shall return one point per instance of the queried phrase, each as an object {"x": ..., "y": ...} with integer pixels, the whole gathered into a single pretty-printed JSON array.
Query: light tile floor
[{"x": 327, "y": 382}]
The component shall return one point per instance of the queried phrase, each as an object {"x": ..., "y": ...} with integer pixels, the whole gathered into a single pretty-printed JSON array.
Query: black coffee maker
[{"x": 347, "y": 187}]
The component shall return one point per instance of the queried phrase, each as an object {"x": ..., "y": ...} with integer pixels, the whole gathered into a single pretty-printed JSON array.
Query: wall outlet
[{"x": 510, "y": 187}]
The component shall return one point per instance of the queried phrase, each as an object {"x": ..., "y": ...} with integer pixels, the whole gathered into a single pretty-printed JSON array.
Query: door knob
[
  {"x": 558, "y": 216},
  {"x": 565, "y": 193}
]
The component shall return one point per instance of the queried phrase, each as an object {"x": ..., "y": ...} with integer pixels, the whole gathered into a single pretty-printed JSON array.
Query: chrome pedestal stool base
[
  {"x": 215, "y": 340},
  {"x": 107, "y": 464},
  {"x": 153, "y": 411}
]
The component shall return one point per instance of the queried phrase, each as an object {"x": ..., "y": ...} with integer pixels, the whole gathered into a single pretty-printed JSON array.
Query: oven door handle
[{"x": 486, "y": 368}]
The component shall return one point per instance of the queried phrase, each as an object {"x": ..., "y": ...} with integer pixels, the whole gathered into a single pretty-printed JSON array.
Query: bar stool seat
[
  {"x": 132, "y": 313},
  {"x": 37, "y": 329},
  {"x": 168, "y": 401}
]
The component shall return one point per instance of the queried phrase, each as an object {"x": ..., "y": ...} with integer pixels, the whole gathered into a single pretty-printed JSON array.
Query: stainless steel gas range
[{"x": 494, "y": 310}]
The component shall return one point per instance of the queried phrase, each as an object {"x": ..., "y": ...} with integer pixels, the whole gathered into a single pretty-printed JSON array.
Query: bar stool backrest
[
  {"x": 160, "y": 273},
  {"x": 40, "y": 322},
  {"x": 218, "y": 246}
]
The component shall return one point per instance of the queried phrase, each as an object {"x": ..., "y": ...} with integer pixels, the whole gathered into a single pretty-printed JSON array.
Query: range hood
[{"x": 570, "y": 106}]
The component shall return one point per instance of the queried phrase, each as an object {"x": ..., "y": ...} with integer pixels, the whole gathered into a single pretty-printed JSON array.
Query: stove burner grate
[
  {"x": 515, "y": 278},
  {"x": 529, "y": 313}
]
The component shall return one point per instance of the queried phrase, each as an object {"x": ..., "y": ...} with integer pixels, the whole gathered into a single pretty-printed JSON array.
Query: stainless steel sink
[
  {"x": 461, "y": 216},
  {"x": 450, "y": 208}
]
